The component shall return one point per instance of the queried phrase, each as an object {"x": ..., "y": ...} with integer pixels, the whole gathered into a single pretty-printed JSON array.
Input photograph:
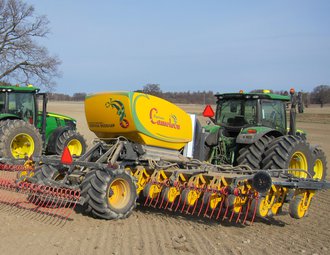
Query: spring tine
[
  {"x": 226, "y": 211},
  {"x": 160, "y": 206},
  {"x": 239, "y": 214},
  {"x": 151, "y": 199},
  {"x": 221, "y": 204},
  {"x": 178, "y": 204},
  {"x": 232, "y": 214},
  {"x": 254, "y": 211},
  {"x": 74, "y": 198},
  {"x": 196, "y": 202},
  {"x": 58, "y": 209},
  {"x": 184, "y": 204},
  {"x": 207, "y": 207},
  {"x": 247, "y": 210},
  {"x": 154, "y": 206},
  {"x": 146, "y": 201}
]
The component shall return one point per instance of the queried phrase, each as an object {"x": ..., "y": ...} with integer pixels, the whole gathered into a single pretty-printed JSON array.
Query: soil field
[{"x": 150, "y": 231}]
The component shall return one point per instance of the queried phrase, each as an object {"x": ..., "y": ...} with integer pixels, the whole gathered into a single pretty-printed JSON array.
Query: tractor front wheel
[{"x": 73, "y": 140}]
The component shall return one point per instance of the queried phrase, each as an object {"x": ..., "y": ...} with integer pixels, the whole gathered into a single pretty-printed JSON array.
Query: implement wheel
[
  {"x": 46, "y": 173},
  {"x": 84, "y": 188},
  {"x": 297, "y": 209},
  {"x": 289, "y": 152},
  {"x": 260, "y": 206},
  {"x": 112, "y": 194},
  {"x": 252, "y": 154},
  {"x": 319, "y": 164},
  {"x": 19, "y": 139},
  {"x": 73, "y": 140}
]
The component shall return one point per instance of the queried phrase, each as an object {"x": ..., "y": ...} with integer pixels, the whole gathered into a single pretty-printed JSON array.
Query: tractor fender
[
  {"x": 8, "y": 116},
  {"x": 246, "y": 137},
  {"x": 51, "y": 144}
]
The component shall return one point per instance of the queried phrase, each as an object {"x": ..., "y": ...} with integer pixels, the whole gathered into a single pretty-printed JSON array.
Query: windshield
[
  {"x": 22, "y": 105},
  {"x": 273, "y": 114},
  {"x": 236, "y": 112}
]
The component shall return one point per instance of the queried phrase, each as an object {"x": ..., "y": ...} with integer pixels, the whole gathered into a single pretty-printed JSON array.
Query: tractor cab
[
  {"x": 245, "y": 110},
  {"x": 18, "y": 102}
]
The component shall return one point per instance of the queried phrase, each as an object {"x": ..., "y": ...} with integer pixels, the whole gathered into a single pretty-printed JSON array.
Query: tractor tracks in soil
[{"x": 149, "y": 231}]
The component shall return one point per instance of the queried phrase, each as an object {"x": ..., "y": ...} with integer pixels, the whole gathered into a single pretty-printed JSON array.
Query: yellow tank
[{"x": 139, "y": 117}]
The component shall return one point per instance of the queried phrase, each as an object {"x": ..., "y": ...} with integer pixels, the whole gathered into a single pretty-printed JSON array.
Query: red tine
[
  {"x": 75, "y": 196},
  {"x": 207, "y": 207},
  {"x": 254, "y": 211},
  {"x": 247, "y": 210},
  {"x": 239, "y": 214},
  {"x": 154, "y": 206}
]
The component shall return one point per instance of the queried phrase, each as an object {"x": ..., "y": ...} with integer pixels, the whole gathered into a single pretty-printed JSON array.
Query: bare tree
[
  {"x": 152, "y": 89},
  {"x": 22, "y": 60},
  {"x": 321, "y": 95}
]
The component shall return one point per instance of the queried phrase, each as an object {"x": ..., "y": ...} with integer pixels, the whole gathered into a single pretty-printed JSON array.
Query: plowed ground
[{"x": 149, "y": 231}]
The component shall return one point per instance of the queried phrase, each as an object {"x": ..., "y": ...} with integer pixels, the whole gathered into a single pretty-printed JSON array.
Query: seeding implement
[{"x": 151, "y": 152}]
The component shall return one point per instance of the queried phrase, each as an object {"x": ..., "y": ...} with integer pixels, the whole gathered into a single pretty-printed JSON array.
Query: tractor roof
[
  {"x": 253, "y": 96},
  {"x": 19, "y": 89}
]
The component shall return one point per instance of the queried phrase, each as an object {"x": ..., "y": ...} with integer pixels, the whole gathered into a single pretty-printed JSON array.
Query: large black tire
[
  {"x": 289, "y": 152},
  {"x": 112, "y": 194},
  {"x": 18, "y": 139},
  {"x": 253, "y": 154},
  {"x": 73, "y": 140},
  {"x": 46, "y": 173},
  {"x": 319, "y": 164},
  {"x": 84, "y": 188}
]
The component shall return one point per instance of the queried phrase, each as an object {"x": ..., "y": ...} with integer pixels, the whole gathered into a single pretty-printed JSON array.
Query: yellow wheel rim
[
  {"x": 192, "y": 197},
  {"x": 118, "y": 193},
  {"x": 75, "y": 147},
  {"x": 301, "y": 210},
  {"x": 263, "y": 208},
  {"x": 298, "y": 161},
  {"x": 22, "y": 145},
  {"x": 318, "y": 169}
]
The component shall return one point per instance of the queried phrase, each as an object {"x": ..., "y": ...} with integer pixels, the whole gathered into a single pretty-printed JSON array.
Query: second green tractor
[
  {"x": 253, "y": 129},
  {"x": 26, "y": 131}
]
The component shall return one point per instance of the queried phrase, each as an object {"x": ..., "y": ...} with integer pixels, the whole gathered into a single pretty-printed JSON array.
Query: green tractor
[
  {"x": 251, "y": 129},
  {"x": 25, "y": 131}
]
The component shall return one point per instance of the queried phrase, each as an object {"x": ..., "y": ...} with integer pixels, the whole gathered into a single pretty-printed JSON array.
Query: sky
[{"x": 205, "y": 45}]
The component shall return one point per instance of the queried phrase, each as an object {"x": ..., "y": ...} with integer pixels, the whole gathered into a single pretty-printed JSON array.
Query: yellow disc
[
  {"x": 318, "y": 169},
  {"x": 75, "y": 147}
]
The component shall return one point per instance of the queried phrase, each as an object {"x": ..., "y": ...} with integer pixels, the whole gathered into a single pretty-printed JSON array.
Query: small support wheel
[
  {"x": 260, "y": 206},
  {"x": 297, "y": 207},
  {"x": 233, "y": 202}
]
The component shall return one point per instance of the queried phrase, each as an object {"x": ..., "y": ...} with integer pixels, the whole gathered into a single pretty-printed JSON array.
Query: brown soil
[{"x": 150, "y": 231}]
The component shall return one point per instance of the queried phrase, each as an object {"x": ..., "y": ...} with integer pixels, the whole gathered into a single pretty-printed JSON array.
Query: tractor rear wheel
[
  {"x": 252, "y": 154},
  {"x": 73, "y": 140},
  {"x": 19, "y": 139},
  {"x": 319, "y": 164},
  {"x": 289, "y": 152},
  {"x": 112, "y": 194}
]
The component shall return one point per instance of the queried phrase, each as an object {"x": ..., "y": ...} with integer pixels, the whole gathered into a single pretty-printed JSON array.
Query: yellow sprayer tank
[{"x": 139, "y": 117}]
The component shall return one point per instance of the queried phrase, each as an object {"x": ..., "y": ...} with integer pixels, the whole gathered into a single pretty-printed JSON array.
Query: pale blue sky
[{"x": 223, "y": 46}]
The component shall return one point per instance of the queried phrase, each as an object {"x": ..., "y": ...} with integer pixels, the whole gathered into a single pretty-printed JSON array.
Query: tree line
[{"x": 319, "y": 95}]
